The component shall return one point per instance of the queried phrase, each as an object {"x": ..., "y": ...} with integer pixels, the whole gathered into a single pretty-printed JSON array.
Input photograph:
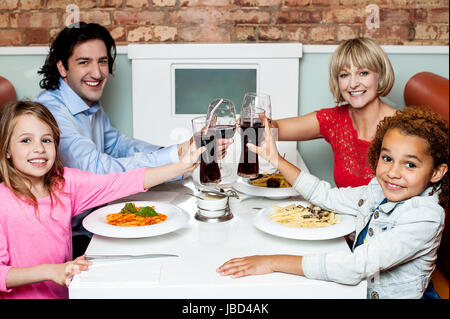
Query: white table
[{"x": 202, "y": 247}]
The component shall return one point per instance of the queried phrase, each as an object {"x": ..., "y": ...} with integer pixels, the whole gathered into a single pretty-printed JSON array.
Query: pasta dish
[
  {"x": 130, "y": 215},
  {"x": 270, "y": 180},
  {"x": 300, "y": 216}
]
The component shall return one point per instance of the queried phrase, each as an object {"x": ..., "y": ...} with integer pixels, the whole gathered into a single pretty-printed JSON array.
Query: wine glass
[
  {"x": 223, "y": 114},
  {"x": 205, "y": 135},
  {"x": 261, "y": 100},
  {"x": 252, "y": 131}
]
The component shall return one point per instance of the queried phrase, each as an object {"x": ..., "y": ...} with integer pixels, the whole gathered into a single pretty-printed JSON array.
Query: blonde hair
[
  {"x": 363, "y": 53},
  {"x": 9, "y": 175}
]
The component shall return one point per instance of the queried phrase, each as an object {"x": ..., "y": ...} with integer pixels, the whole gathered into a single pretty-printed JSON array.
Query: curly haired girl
[
  {"x": 399, "y": 221},
  {"x": 431, "y": 127}
]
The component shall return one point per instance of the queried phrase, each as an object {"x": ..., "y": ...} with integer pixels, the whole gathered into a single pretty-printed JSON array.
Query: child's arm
[
  {"x": 91, "y": 190},
  {"x": 188, "y": 162},
  {"x": 268, "y": 150},
  {"x": 312, "y": 189},
  {"x": 61, "y": 274},
  {"x": 262, "y": 264}
]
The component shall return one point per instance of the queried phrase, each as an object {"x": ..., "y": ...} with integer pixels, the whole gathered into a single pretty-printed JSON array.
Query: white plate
[
  {"x": 263, "y": 222},
  {"x": 244, "y": 186},
  {"x": 96, "y": 223}
]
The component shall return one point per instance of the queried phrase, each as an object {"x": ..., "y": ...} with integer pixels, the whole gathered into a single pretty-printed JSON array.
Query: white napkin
[{"x": 105, "y": 273}]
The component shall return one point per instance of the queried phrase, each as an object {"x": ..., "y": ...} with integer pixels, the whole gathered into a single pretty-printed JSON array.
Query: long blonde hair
[
  {"x": 364, "y": 53},
  {"x": 15, "y": 180}
]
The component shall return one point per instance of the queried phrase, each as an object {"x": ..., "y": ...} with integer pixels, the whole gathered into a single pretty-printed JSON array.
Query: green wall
[
  {"x": 117, "y": 98},
  {"x": 313, "y": 92}
]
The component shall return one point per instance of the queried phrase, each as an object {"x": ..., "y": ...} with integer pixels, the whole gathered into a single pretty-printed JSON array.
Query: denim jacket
[{"x": 399, "y": 252}]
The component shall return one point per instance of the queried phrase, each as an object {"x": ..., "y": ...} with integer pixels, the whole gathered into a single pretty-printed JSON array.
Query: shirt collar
[
  {"x": 427, "y": 191},
  {"x": 389, "y": 206},
  {"x": 76, "y": 104}
]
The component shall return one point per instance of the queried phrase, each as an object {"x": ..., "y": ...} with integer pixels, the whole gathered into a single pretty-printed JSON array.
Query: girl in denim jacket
[{"x": 399, "y": 214}]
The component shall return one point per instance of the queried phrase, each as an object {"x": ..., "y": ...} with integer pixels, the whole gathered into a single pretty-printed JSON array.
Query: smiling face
[
  {"x": 87, "y": 70},
  {"x": 358, "y": 86},
  {"x": 405, "y": 167},
  {"x": 31, "y": 148}
]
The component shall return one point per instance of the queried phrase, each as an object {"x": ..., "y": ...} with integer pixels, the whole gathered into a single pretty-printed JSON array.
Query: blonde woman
[{"x": 360, "y": 73}]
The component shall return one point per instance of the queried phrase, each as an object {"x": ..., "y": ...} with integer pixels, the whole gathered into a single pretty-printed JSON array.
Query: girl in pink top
[{"x": 39, "y": 198}]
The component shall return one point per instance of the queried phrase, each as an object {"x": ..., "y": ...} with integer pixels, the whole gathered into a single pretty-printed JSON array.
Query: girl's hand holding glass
[
  {"x": 268, "y": 148},
  {"x": 190, "y": 155},
  {"x": 222, "y": 144}
]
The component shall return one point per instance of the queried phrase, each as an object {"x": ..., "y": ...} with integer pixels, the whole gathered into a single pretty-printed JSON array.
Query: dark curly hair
[
  {"x": 429, "y": 125},
  {"x": 63, "y": 45}
]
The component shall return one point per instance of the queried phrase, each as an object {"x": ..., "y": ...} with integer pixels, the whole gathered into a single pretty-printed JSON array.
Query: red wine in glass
[
  {"x": 225, "y": 131},
  {"x": 249, "y": 165},
  {"x": 209, "y": 169}
]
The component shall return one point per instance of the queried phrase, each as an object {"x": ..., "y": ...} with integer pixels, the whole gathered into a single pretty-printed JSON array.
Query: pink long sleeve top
[{"x": 29, "y": 239}]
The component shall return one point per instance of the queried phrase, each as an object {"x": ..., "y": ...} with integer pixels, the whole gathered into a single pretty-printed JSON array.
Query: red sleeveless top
[{"x": 351, "y": 166}]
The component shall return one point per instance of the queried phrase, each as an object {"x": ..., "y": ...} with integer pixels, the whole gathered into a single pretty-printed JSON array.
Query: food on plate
[
  {"x": 130, "y": 215},
  {"x": 300, "y": 216},
  {"x": 270, "y": 180}
]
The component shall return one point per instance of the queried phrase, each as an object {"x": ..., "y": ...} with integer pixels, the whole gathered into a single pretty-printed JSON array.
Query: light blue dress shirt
[{"x": 89, "y": 142}]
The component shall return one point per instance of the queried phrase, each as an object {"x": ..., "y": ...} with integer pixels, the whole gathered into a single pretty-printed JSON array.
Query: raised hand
[
  {"x": 189, "y": 155},
  {"x": 268, "y": 148}
]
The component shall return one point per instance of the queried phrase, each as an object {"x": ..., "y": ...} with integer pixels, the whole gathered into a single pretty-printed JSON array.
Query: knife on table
[{"x": 123, "y": 257}]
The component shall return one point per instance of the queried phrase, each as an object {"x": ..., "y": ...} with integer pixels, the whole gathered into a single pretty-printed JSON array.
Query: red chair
[
  {"x": 7, "y": 92},
  {"x": 432, "y": 91}
]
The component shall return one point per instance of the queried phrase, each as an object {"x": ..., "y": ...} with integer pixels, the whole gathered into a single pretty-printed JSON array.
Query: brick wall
[{"x": 409, "y": 22}]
